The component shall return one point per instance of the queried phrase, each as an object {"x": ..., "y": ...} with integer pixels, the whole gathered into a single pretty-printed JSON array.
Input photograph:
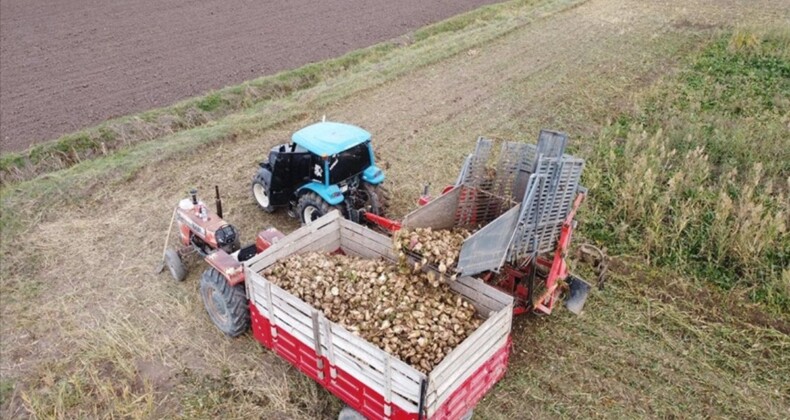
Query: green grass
[{"x": 698, "y": 178}]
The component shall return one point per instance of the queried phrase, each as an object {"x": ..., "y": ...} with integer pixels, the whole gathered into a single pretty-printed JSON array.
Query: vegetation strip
[{"x": 698, "y": 180}]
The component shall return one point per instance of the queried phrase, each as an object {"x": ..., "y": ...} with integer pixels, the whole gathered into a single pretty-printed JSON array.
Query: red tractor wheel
[{"x": 226, "y": 305}]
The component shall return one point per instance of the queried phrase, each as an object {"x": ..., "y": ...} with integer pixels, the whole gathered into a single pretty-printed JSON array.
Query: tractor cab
[{"x": 326, "y": 166}]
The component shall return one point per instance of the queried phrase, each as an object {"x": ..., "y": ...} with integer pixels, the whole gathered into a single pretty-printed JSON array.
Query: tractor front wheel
[
  {"x": 311, "y": 207},
  {"x": 175, "y": 265},
  {"x": 226, "y": 305}
]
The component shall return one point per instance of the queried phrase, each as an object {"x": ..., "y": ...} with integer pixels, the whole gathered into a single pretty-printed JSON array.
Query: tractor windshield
[{"x": 348, "y": 163}]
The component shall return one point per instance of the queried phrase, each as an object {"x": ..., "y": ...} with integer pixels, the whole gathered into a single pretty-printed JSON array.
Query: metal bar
[{"x": 421, "y": 405}]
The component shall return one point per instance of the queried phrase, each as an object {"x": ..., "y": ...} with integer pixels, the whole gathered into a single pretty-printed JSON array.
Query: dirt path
[
  {"x": 113, "y": 322},
  {"x": 70, "y": 64}
]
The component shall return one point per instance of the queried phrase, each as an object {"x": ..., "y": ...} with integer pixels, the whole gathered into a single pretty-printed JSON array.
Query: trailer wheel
[
  {"x": 175, "y": 265},
  {"x": 226, "y": 305},
  {"x": 311, "y": 206},
  {"x": 468, "y": 415},
  {"x": 260, "y": 191},
  {"x": 348, "y": 413}
]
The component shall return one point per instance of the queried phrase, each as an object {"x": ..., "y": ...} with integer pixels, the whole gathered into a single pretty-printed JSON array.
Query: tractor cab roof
[{"x": 329, "y": 138}]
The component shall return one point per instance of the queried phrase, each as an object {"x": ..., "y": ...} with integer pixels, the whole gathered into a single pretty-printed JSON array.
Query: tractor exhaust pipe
[
  {"x": 218, "y": 201},
  {"x": 193, "y": 193}
]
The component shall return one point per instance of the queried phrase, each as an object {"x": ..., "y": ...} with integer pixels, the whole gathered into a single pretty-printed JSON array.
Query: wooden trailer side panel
[
  {"x": 321, "y": 235},
  {"x": 363, "y": 375},
  {"x": 477, "y": 349}
]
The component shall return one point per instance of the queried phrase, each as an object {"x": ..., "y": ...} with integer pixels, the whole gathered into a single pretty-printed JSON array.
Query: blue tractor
[{"x": 326, "y": 166}]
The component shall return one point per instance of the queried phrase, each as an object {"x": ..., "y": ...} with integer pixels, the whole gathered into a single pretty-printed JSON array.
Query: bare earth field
[
  {"x": 89, "y": 331},
  {"x": 70, "y": 64}
]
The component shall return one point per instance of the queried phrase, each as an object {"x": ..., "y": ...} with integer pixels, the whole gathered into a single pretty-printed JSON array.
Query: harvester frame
[{"x": 524, "y": 206}]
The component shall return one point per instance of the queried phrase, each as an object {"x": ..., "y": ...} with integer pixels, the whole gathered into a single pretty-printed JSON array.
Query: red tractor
[{"x": 205, "y": 233}]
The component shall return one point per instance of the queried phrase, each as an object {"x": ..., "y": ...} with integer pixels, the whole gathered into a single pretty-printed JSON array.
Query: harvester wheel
[
  {"x": 226, "y": 305},
  {"x": 348, "y": 413},
  {"x": 175, "y": 265},
  {"x": 311, "y": 206},
  {"x": 379, "y": 198},
  {"x": 260, "y": 191}
]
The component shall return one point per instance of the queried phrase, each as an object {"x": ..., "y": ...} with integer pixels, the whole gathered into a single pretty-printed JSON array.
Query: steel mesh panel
[
  {"x": 541, "y": 222},
  {"x": 486, "y": 191}
]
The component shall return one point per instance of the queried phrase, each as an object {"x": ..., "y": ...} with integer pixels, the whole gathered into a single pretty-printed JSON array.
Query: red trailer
[{"x": 369, "y": 380}]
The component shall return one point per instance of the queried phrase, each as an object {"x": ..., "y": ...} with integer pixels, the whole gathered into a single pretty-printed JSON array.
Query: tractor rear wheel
[
  {"x": 260, "y": 191},
  {"x": 379, "y": 198},
  {"x": 226, "y": 305},
  {"x": 175, "y": 265},
  {"x": 311, "y": 206}
]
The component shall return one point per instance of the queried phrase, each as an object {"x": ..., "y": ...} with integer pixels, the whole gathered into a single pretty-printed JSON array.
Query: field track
[{"x": 70, "y": 64}]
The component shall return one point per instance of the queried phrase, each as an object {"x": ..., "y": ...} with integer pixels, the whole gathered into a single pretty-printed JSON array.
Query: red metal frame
[
  {"x": 360, "y": 397},
  {"x": 389, "y": 224},
  {"x": 267, "y": 238},
  {"x": 227, "y": 266}
]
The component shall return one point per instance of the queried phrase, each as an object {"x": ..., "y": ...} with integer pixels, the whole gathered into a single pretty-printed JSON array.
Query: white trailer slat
[
  {"x": 355, "y": 234},
  {"x": 299, "y": 240},
  {"x": 360, "y": 242},
  {"x": 292, "y": 300},
  {"x": 442, "y": 389},
  {"x": 485, "y": 301},
  {"x": 484, "y": 335},
  {"x": 377, "y": 384},
  {"x": 407, "y": 390},
  {"x": 375, "y": 357},
  {"x": 296, "y": 321}
]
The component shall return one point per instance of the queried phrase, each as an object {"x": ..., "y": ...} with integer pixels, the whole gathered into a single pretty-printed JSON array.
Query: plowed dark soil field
[{"x": 68, "y": 64}]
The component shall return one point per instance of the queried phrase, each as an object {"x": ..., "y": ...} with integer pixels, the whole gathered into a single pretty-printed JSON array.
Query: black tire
[
  {"x": 348, "y": 413},
  {"x": 175, "y": 265},
  {"x": 379, "y": 199},
  {"x": 260, "y": 192},
  {"x": 311, "y": 206},
  {"x": 226, "y": 305}
]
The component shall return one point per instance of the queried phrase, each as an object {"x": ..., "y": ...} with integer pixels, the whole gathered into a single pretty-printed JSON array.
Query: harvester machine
[{"x": 521, "y": 206}]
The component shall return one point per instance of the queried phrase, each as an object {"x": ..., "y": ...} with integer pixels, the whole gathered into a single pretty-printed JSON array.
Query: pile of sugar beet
[{"x": 408, "y": 312}]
